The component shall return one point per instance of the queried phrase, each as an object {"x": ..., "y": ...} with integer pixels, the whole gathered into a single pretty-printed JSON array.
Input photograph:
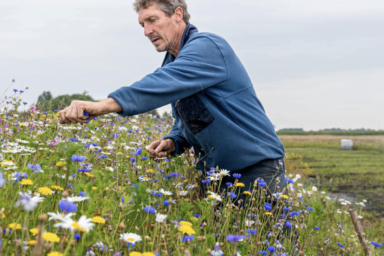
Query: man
[{"x": 214, "y": 103}]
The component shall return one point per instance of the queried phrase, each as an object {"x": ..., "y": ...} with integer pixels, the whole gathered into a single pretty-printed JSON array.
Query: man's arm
[
  {"x": 199, "y": 65},
  {"x": 75, "y": 112}
]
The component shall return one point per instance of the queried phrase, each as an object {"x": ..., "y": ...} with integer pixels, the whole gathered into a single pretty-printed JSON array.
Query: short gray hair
[{"x": 167, "y": 6}]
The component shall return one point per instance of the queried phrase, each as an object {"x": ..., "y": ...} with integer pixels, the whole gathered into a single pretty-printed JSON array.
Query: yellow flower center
[{"x": 75, "y": 225}]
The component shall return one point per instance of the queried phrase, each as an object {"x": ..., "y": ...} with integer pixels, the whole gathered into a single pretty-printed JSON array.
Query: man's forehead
[{"x": 151, "y": 10}]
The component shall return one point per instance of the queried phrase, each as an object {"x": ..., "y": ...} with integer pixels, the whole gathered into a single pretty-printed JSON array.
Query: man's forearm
[{"x": 109, "y": 106}]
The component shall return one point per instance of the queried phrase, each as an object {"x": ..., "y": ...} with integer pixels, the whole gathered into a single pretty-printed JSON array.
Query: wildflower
[
  {"x": 376, "y": 244},
  {"x": 235, "y": 238},
  {"x": 236, "y": 175},
  {"x": 149, "y": 209},
  {"x": 76, "y": 199},
  {"x": 224, "y": 172},
  {"x": 98, "y": 219},
  {"x": 285, "y": 196},
  {"x": 216, "y": 250},
  {"x": 339, "y": 244},
  {"x": 267, "y": 206},
  {"x": 263, "y": 252},
  {"x": 271, "y": 248},
  {"x": 186, "y": 238},
  {"x": 55, "y": 254},
  {"x": 317, "y": 228},
  {"x": 34, "y": 231},
  {"x": 26, "y": 182},
  {"x": 28, "y": 202},
  {"x": 288, "y": 224},
  {"x": 57, "y": 188},
  {"x": 44, "y": 191},
  {"x": 84, "y": 224},
  {"x": 268, "y": 213},
  {"x": 36, "y": 168},
  {"x": 214, "y": 196},
  {"x": 67, "y": 206},
  {"x": 51, "y": 237},
  {"x": 130, "y": 238},
  {"x": 160, "y": 217},
  {"x": 252, "y": 231},
  {"x": 2, "y": 180},
  {"x": 77, "y": 236},
  {"x": 183, "y": 193},
  {"x": 150, "y": 171},
  {"x": 239, "y": 184},
  {"x": 14, "y": 226},
  {"x": 78, "y": 158},
  {"x": 185, "y": 229},
  {"x": 262, "y": 184},
  {"x": 186, "y": 223},
  {"x": 167, "y": 193},
  {"x": 59, "y": 216},
  {"x": 32, "y": 242},
  {"x": 228, "y": 184}
]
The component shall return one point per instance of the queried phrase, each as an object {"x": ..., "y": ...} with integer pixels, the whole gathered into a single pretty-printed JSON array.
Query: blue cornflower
[
  {"x": 77, "y": 236},
  {"x": 252, "y": 231},
  {"x": 205, "y": 181},
  {"x": 262, "y": 252},
  {"x": 310, "y": 208},
  {"x": 234, "y": 238},
  {"x": 122, "y": 200},
  {"x": 15, "y": 90},
  {"x": 67, "y": 206},
  {"x": 196, "y": 215},
  {"x": 271, "y": 249},
  {"x": 150, "y": 209},
  {"x": 81, "y": 193},
  {"x": 317, "y": 228},
  {"x": 288, "y": 180},
  {"x": 135, "y": 185},
  {"x": 74, "y": 139},
  {"x": 339, "y": 244},
  {"x": 232, "y": 195},
  {"x": 78, "y": 158},
  {"x": 103, "y": 156},
  {"x": 376, "y": 244},
  {"x": 144, "y": 158},
  {"x": 34, "y": 167},
  {"x": 267, "y": 206},
  {"x": 2, "y": 180},
  {"x": 228, "y": 184},
  {"x": 175, "y": 174},
  {"x": 25, "y": 103},
  {"x": 285, "y": 208},
  {"x": 186, "y": 238},
  {"x": 83, "y": 170},
  {"x": 262, "y": 184},
  {"x": 21, "y": 91},
  {"x": 132, "y": 159},
  {"x": 288, "y": 224},
  {"x": 166, "y": 203},
  {"x": 237, "y": 175},
  {"x": 115, "y": 135},
  {"x": 294, "y": 213}
]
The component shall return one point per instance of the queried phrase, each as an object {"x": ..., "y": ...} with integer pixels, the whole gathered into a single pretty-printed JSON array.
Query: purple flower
[
  {"x": 78, "y": 158},
  {"x": 150, "y": 209},
  {"x": 271, "y": 248},
  {"x": 237, "y": 175},
  {"x": 317, "y": 228},
  {"x": 267, "y": 206},
  {"x": 186, "y": 238}
]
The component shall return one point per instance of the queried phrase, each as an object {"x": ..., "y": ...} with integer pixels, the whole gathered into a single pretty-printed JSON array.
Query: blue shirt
[{"x": 214, "y": 104}]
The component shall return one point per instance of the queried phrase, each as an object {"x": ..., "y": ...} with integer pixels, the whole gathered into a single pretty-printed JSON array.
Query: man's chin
[{"x": 161, "y": 48}]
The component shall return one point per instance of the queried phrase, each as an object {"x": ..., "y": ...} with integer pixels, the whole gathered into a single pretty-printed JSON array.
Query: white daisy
[
  {"x": 214, "y": 196},
  {"x": 167, "y": 193},
  {"x": 224, "y": 172},
  {"x": 130, "y": 238},
  {"x": 160, "y": 217},
  {"x": 75, "y": 199},
  {"x": 59, "y": 216},
  {"x": 83, "y": 224},
  {"x": 183, "y": 193}
]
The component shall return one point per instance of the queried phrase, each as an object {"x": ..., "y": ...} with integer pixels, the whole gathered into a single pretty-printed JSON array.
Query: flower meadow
[{"x": 93, "y": 190}]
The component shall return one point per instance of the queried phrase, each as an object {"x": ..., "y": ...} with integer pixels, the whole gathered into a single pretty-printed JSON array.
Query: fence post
[{"x": 360, "y": 232}]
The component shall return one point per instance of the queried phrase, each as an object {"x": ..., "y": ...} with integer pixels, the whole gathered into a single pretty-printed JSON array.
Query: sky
[{"x": 313, "y": 64}]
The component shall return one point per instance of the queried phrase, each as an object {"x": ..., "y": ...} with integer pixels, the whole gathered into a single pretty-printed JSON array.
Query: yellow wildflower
[
  {"x": 285, "y": 196},
  {"x": 186, "y": 199},
  {"x": 239, "y": 184},
  {"x": 51, "y": 237},
  {"x": 148, "y": 254},
  {"x": 34, "y": 231},
  {"x": 75, "y": 225},
  {"x": 43, "y": 115},
  {"x": 3, "y": 216},
  {"x": 98, "y": 219},
  {"x": 26, "y": 182},
  {"x": 268, "y": 213},
  {"x": 89, "y": 174},
  {"x": 57, "y": 188},
  {"x": 247, "y": 193},
  {"x": 94, "y": 188},
  {"x": 150, "y": 171},
  {"x": 185, "y": 181},
  {"x": 186, "y": 223},
  {"x": 194, "y": 219},
  {"x": 14, "y": 226},
  {"x": 44, "y": 190},
  {"x": 59, "y": 164},
  {"x": 135, "y": 254},
  {"x": 32, "y": 242},
  {"x": 55, "y": 254},
  {"x": 187, "y": 230}
]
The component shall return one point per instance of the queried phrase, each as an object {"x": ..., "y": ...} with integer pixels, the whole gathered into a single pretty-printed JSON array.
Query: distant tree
[
  {"x": 47, "y": 102},
  {"x": 167, "y": 115},
  {"x": 46, "y": 95},
  {"x": 153, "y": 112}
]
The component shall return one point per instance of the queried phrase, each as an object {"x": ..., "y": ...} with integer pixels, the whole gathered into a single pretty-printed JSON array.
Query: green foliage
[{"x": 47, "y": 102}]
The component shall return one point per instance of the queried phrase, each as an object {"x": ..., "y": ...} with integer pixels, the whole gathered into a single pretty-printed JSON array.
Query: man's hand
[
  {"x": 161, "y": 148},
  {"x": 75, "y": 112}
]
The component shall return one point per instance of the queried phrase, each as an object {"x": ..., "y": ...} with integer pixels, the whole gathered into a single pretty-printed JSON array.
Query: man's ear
[{"x": 178, "y": 14}]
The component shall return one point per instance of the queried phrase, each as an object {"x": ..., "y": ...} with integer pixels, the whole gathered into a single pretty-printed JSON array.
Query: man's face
[{"x": 158, "y": 27}]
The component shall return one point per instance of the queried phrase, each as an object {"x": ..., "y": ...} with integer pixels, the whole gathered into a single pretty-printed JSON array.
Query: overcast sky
[{"x": 314, "y": 64}]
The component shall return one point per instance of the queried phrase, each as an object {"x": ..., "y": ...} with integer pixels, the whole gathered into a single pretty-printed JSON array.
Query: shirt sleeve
[
  {"x": 200, "y": 65},
  {"x": 177, "y": 137}
]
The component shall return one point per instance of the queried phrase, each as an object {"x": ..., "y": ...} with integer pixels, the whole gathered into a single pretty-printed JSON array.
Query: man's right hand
[{"x": 161, "y": 148}]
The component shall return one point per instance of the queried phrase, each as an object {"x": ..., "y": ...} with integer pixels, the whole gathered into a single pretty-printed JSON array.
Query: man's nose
[{"x": 147, "y": 30}]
